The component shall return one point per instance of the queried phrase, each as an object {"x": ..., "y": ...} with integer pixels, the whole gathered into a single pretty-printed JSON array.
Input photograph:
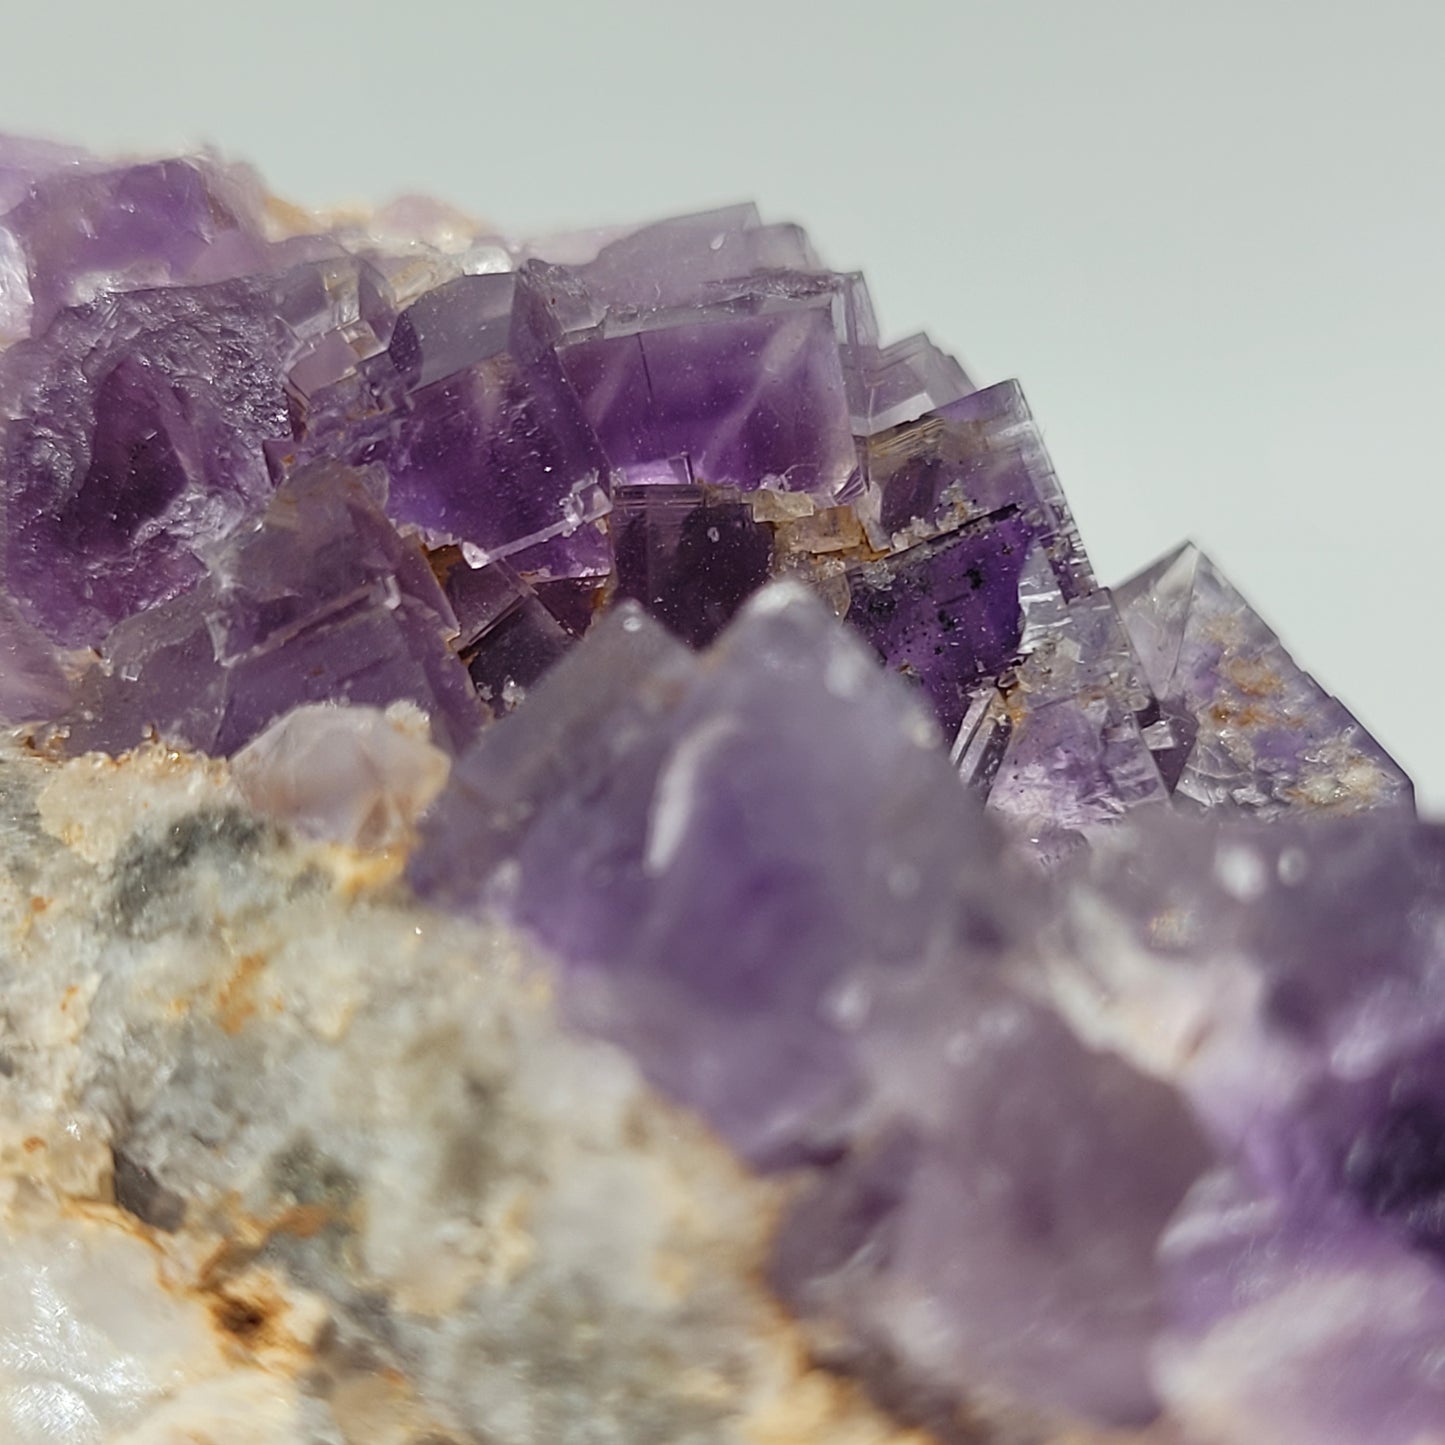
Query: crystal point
[{"x": 1265, "y": 735}]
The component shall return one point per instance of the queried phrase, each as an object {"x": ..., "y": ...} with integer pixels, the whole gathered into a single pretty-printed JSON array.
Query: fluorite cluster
[{"x": 1070, "y": 963}]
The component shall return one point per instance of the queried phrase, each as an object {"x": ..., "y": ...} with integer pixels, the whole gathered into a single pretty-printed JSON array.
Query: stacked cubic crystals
[{"x": 773, "y": 668}]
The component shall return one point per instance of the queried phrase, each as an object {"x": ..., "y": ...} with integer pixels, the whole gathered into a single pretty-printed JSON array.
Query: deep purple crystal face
[
  {"x": 947, "y": 612},
  {"x": 1076, "y": 953},
  {"x": 135, "y": 440},
  {"x": 690, "y": 557}
]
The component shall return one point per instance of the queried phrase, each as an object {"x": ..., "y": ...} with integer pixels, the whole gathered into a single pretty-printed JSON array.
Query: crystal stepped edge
[{"x": 585, "y": 858}]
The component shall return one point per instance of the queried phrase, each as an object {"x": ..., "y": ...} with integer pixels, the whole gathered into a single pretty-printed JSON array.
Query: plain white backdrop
[{"x": 1210, "y": 238}]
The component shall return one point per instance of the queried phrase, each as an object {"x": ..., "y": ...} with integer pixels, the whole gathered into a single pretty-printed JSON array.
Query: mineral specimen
[{"x": 585, "y": 858}]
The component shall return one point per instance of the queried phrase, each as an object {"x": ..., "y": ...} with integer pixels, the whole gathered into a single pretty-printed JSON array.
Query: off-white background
[{"x": 1208, "y": 236}]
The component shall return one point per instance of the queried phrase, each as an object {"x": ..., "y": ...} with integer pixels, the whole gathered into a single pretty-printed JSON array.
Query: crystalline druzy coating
[{"x": 640, "y": 597}]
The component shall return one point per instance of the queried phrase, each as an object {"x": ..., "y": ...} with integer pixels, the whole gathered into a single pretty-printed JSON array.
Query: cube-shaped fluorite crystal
[{"x": 749, "y": 401}]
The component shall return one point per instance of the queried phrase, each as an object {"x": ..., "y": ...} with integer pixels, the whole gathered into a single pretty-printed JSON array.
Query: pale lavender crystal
[
  {"x": 671, "y": 265},
  {"x": 22, "y": 163},
  {"x": 1305, "y": 1285},
  {"x": 1003, "y": 1238},
  {"x": 1336, "y": 993},
  {"x": 1265, "y": 735},
  {"x": 451, "y": 328},
  {"x": 24, "y": 160},
  {"x": 1299, "y": 1329},
  {"x": 1071, "y": 743},
  {"x": 899, "y": 383},
  {"x": 352, "y": 775},
  {"x": 709, "y": 871},
  {"x": 337, "y": 312}
]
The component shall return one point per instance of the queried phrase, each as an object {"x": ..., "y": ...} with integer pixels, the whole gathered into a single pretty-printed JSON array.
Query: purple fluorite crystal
[
  {"x": 1256, "y": 731},
  {"x": 1298, "y": 967},
  {"x": 790, "y": 721},
  {"x": 134, "y": 440},
  {"x": 318, "y": 599},
  {"x": 721, "y": 838},
  {"x": 691, "y": 557}
]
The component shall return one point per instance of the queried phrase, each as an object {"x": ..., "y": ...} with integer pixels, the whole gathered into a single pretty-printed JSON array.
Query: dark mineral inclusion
[{"x": 1081, "y": 954}]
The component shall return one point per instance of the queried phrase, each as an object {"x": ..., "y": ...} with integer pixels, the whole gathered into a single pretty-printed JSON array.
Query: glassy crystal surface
[
  {"x": 316, "y": 600},
  {"x": 690, "y": 556},
  {"x": 1265, "y": 736}
]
